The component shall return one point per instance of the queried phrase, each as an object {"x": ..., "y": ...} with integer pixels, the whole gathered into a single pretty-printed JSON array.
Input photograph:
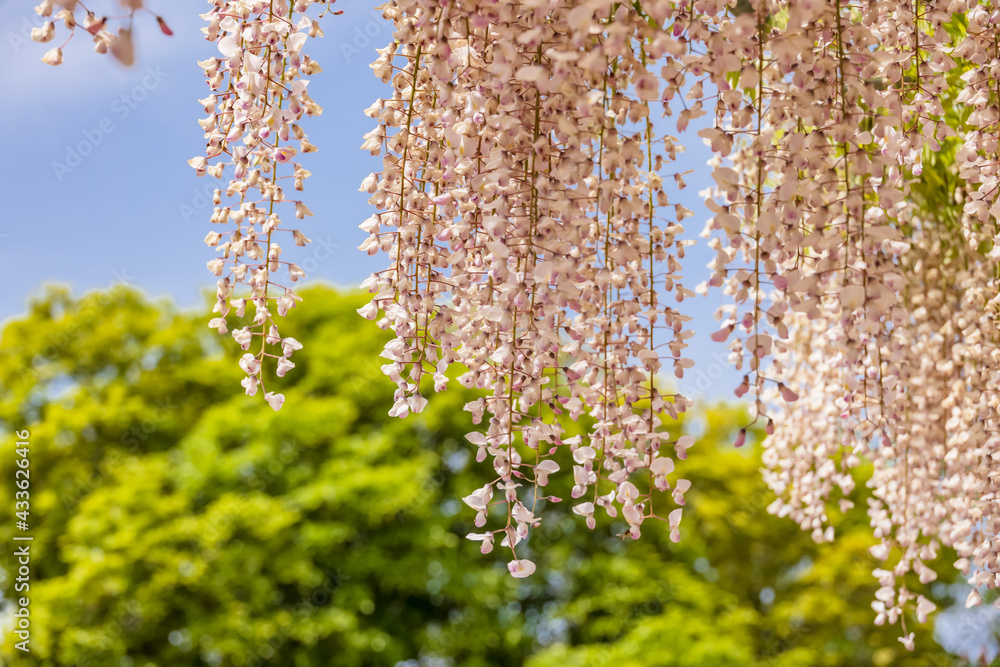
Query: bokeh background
[{"x": 179, "y": 523}]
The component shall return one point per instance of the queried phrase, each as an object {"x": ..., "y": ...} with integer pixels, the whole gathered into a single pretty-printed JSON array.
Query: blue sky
[{"x": 99, "y": 191}]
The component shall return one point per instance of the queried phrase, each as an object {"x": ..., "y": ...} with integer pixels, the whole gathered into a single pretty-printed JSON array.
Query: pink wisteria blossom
[
  {"x": 257, "y": 103},
  {"x": 527, "y": 214}
]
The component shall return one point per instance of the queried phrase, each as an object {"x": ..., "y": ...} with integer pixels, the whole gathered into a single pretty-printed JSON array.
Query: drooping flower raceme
[
  {"x": 520, "y": 207},
  {"x": 874, "y": 306},
  {"x": 523, "y": 221},
  {"x": 257, "y": 101}
]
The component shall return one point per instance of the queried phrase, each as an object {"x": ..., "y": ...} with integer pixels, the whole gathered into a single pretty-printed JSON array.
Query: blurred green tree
[{"x": 171, "y": 530}]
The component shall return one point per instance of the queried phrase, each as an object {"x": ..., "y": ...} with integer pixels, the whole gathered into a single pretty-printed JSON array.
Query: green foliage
[
  {"x": 741, "y": 588},
  {"x": 179, "y": 523}
]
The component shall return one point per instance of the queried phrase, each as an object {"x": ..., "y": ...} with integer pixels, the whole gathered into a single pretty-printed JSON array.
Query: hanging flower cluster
[
  {"x": 879, "y": 312},
  {"x": 932, "y": 438},
  {"x": 521, "y": 212},
  {"x": 258, "y": 98},
  {"x": 524, "y": 209},
  {"x": 71, "y": 14},
  {"x": 530, "y": 240}
]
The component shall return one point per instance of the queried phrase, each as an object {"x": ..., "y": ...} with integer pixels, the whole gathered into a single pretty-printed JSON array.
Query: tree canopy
[{"x": 176, "y": 528}]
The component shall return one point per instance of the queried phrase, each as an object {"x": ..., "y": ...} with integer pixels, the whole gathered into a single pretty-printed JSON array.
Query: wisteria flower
[{"x": 521, "y": 568}]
